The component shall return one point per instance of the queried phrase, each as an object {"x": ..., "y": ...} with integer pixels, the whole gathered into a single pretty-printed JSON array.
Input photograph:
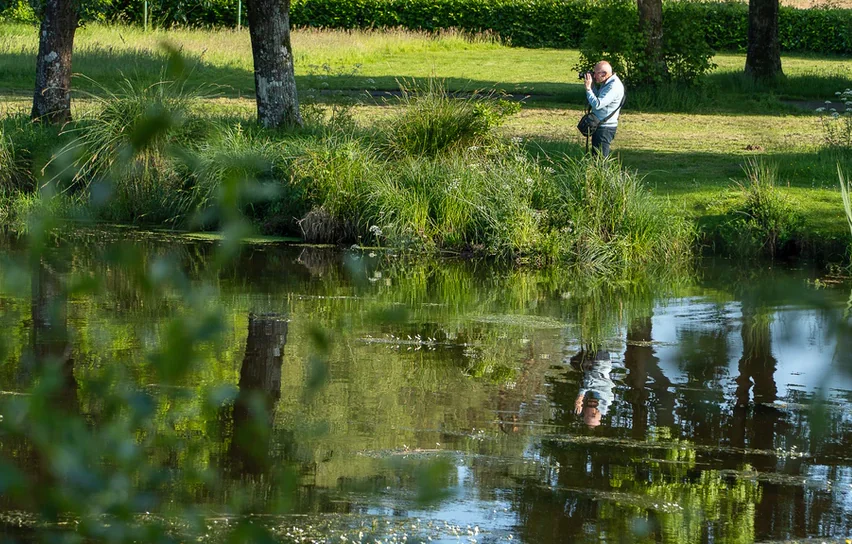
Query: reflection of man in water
[{"x": 596, "y": 388}]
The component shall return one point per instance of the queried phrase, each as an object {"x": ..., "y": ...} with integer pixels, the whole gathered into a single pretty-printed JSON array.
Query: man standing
[{"x": 605, "y": 100}]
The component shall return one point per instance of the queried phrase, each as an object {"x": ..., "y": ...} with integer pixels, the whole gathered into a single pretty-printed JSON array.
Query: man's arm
[{"x": 610, "y": 94}]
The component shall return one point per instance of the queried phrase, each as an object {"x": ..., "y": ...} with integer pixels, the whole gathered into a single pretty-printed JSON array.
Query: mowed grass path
[{"x": 690, "y": 149}]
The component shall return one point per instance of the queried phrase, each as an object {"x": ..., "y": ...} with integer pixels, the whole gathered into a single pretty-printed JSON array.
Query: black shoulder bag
[{"x": 589, "y": 123}]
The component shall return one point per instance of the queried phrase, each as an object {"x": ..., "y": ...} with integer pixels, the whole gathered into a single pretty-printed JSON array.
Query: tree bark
[
  {"x": 52, "y": 97},
  {"x": 763, "y": 59},
  {"x": 274, "y": 79},
  {"x": 651, "y": 26}
]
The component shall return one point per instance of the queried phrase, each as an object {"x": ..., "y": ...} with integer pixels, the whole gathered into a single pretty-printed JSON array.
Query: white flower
[
  {"x": 828, "y": 101},
  {"x": 820, "y": 110},
  {"x": 835, "y": 115},
  {"x": 837, "y": 93}
]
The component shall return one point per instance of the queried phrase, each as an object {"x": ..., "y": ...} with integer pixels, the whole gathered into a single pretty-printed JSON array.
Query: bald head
[{"x": 603, "y": 71}]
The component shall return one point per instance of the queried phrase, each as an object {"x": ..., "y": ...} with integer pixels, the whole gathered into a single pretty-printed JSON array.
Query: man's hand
[
  {"x": 578, "y": 405},
  {"x": 587, "y": 81}
]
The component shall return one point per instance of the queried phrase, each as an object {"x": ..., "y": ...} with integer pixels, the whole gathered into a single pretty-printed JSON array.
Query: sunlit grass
[{"x": 375, "y": 60}]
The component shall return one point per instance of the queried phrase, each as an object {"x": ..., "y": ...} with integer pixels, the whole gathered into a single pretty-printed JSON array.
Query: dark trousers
[{"x": 601, "y": 140}]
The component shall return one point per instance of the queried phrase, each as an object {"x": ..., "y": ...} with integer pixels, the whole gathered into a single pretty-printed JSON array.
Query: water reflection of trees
[{"x": 481, "y": 374}]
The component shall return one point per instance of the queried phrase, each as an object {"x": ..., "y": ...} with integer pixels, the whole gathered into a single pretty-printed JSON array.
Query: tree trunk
[
  {"x": 51, "y": 345},
  {"x": 274, "y": 80},
  {"x": 52, "y": 97},
  {"x": 651, "y": 26},
  {"x": 763, "y": 60},
  {"x": 260, "y": 389}
]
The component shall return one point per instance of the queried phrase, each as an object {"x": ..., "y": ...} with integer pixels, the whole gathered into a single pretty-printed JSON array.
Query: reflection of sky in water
[
  {"x": 803, "y": 350},
  {"x": 460, "y": 518}
]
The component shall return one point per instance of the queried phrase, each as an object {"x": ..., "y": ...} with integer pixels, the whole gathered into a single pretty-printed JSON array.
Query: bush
[
  {"x": 523, "y": 23},
  {"x": 19, "y": 11},
  {"x": 614, "y": 35}
]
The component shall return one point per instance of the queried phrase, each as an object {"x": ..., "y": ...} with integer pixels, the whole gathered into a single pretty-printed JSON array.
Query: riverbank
[{"x": 692, "y": 149}]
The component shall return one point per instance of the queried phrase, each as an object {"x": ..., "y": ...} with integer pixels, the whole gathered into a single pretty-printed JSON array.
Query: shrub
[
  {"x": 614, "y": 35},
  {"x": 19, "y": 11},
  {"x": 523, "y": 23}
]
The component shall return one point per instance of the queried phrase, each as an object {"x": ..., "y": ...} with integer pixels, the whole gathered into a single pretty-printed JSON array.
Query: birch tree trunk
[
  {"x": 763, "y": 59},
  {"x": 52, "y": 97},
  {"x": 274, "y": 79}
]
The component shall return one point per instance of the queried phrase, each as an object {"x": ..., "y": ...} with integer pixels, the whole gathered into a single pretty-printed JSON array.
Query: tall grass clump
[
  {"x": 765, "y": 224},
  {"x": 476, "y": 201},
  {"x": 127, "y": 145},
  {"x": 433, "y": 121},
  {"x": 9, "y": 169},
  {"x": 333, "y": 175},
  {"x": 612, "y": 221},
  {"x": 25, "y": 147},
  {"x": 245, "y": 168}
]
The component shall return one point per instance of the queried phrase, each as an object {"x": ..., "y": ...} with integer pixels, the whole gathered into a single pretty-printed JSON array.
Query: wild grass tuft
[
  {"x": 765, "y": 224},
  {"x": 126, "y": 147},
  {"x": 25, "y": 147},
  {"x": 10, "y": 171},
  {"x": 613, "y": 221},
  {"x": 433, "y": 121}
]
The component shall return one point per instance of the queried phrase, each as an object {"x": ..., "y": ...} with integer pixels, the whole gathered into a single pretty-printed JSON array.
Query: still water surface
[{"x": 464, "y": 401}]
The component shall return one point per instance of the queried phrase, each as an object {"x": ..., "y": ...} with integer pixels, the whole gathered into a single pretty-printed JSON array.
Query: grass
[{"x": 687, "y": 146}]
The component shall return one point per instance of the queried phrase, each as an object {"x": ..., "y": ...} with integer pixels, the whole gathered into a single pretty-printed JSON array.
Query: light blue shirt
[
  {"x": 606, "y": 100},
  {"x": 597, "y": 383}
]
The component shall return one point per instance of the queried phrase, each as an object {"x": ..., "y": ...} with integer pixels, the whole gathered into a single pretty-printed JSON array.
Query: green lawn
[{"x": 690, "y": 145}]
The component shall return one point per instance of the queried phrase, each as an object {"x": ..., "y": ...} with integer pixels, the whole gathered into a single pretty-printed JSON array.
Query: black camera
[{"x": 582, "y": 75}]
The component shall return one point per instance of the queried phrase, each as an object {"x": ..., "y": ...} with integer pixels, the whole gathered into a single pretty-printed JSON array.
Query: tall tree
[
  {"x": 651, "y": 26},
  {"x": 52, "y": 97},
  {"x": 274, "y": 79},
  {"x": 763, "y": 59}
]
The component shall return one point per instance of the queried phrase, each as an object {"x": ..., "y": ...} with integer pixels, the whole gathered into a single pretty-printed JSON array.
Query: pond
[{"x": 329, "y": 395}]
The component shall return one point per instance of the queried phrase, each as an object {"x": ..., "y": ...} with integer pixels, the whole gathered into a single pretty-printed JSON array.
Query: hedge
[{"x": 527, "y": 23}]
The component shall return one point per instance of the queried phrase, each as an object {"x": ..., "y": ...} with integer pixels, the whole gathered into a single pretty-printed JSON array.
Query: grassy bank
[{"x": 689, "y": 146}]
